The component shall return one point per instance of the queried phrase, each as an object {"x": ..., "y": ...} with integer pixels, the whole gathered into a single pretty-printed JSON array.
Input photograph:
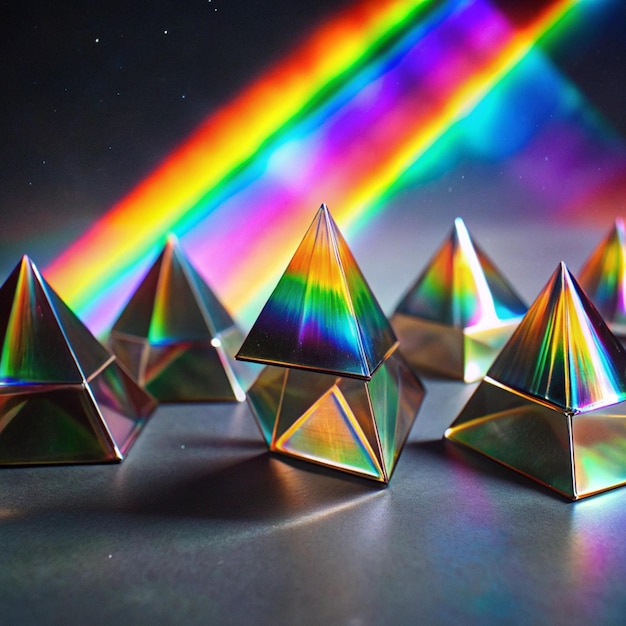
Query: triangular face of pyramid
[
  {"x": 322, "y": 314},
  {"x": 173, "y": 303},
  {"x": 563, "y": 352},
  {"x": 330, "y": 434},
  {"x": 43, "y": 342},
  {"x": 603, "y": 278},
  {"x": 461, "y": 287}
]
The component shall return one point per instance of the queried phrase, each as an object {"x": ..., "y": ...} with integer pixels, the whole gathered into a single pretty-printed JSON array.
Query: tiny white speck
[
  {"x": 97, "y": 39},
  {"x": 182, "y": 447},
  {"x": 183, "y": 97},
  {"x": 110, "y": 556},
  {"x": 30, "y": 184},
  {"x": 44, "y": 162},
  {"x": 165, "y": 32}
]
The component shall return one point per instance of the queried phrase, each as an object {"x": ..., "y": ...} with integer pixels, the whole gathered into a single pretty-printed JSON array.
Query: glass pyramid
[
  {"x": 63, "y": 397},
  {"x": 603, "y": 278},
  {"x": 552, "y": 406},
  {"x": 177, "y": 339},
  {"x": 322, "y": 314},
  {"x": 336, "y": 391},
  {"x": 459, "y": 313}
]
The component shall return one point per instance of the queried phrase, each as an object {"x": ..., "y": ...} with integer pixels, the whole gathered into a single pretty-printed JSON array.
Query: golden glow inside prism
[
  {"x": 459, "y": 313},
  {"x": 63, "y": 397},
  {"x": 553, "y": 404},
  {"x": 177, "y": 339}
]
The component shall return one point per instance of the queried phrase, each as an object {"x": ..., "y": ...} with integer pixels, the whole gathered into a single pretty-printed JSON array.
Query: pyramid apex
[
  {"x": 26, "y": 261},
  {"x": 563, "y": 281},
  {"x": 325, "y": 214},
  {"x": 459, "y": 224},
  {"x": 26, "y": 267},
  {"x": 619, "y": 231},
  {"x": 462, "y": 238},
  {"x": 171, "y": 240},
  {"x": 563, "y": 271}
]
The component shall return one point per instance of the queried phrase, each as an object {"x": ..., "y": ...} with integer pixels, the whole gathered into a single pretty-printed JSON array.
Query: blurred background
[{"x": 229, "y": 122}]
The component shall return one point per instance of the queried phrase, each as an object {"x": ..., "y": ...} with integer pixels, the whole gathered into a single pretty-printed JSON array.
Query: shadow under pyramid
[
  {"x": 552, "y": 406},
  {"x": 63, "y": 397},
  {"x": 335, "y": 390}
]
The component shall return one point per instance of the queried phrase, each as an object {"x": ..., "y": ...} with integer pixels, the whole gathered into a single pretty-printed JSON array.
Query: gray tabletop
[{"x": 201, "y": 525}]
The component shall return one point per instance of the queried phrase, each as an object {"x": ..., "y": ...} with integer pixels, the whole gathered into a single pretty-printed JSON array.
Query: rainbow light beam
[
  {"x": 347, "y": 133},
  {"x": 223, "y": 144}
]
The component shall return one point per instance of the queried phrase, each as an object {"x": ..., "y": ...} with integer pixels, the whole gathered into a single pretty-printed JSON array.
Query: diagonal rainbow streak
[
  {"x": 466, "y": 97},
  {"x": 224, "y": 143},
  {"x": 235, "y": 177}
]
